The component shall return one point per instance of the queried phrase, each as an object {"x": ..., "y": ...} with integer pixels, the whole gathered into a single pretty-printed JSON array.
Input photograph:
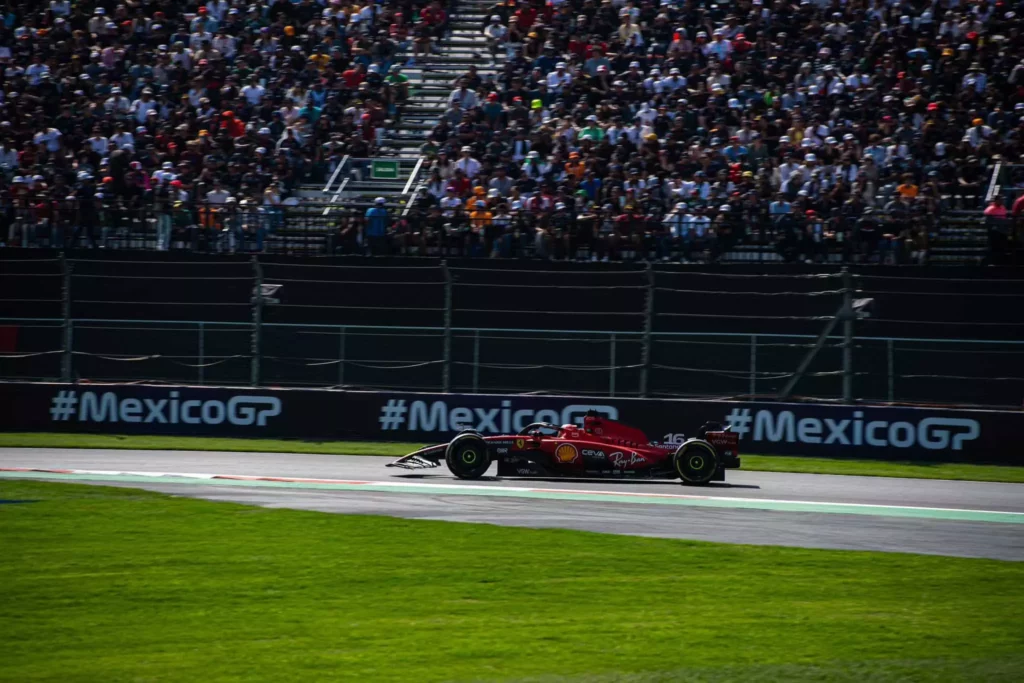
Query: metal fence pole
[
  {"x": 341, "y": 356},
  {"x": 446, "y": 378},
  {"x": 847, "y": 335},
  {"x": 611, "y": 368},
  {"x": 257, "y": 323},
  {"x": 202, "y": 354},
  {"x": 890, "y": 353},
  {"x": 648, "y": 330},
  {"x": 753, "y": 365},
  {"x": 66, "y": 357},
  {"x": 476, "y": 360}
]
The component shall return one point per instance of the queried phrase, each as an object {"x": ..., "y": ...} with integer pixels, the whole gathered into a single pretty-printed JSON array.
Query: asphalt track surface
[{"x": 957, "y": 518}]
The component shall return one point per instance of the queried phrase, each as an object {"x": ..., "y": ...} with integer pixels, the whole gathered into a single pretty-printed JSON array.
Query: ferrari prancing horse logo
[
  {"x": 520, "y": 443},
  {"x": 566, "y": 453}
]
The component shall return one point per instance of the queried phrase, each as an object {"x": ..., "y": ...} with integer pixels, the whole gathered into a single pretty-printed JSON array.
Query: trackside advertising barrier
[{"x": 854, "y": 431}]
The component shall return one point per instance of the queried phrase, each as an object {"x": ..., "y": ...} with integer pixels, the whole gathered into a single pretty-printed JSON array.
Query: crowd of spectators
[
  {"x": 611, "y": 129},
  {"x": 679, "y": 128},
  {"x": 200, "y": 114}
]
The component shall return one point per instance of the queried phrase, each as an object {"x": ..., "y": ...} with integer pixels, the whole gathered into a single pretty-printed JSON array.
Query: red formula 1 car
[{"x": 600, "y": 447}]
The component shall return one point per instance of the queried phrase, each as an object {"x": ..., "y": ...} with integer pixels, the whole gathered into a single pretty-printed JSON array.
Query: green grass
[
  {"x": 110, "y": 584},
  {"x": 195, "y": 443},
  {"x": 883, "y": 468},
  {"x": 765, "y": 463}
]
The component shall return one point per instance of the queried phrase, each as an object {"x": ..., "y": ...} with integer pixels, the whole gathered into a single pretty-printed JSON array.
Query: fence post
[
  {"x": 476, "y": 360},
  {"x": 202, "y": 354},
  {"x": 65, "y": 305},
  {"x": 753, "y": 365},
  {"x": 341, "y": 356},
  {"x": 890, "y": 353},
  {"x": 847, "y": 335},
  {"x": 256, "y": 347},
  {"x": 648, "y": 328},
  {"x": 446, "y": 377},
  {"x": 611, "y": 368}
]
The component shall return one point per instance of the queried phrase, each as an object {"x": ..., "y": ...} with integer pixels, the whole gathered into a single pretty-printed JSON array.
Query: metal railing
[
  {"x": 500, "y": 360},
  {"x": 339, "y": 170},
  {"x": 430, "y": 325},
  {"x": 312, "y": 229}
]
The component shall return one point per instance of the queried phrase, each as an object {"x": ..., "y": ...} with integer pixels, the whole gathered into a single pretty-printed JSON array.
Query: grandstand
[{"x": 755, "y": 130}]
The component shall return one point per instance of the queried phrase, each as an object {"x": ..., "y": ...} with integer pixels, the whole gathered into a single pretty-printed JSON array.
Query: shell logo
[{"x": 566, "y": 453}]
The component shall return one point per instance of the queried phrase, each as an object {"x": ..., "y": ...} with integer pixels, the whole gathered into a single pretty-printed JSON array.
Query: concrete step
[
  {"x": 413, "y": 125},
  {"x": 423, "y": 112}
]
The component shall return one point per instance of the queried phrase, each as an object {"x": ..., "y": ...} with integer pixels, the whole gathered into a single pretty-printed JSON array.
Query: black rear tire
[
  {"x": 467, "y": 456},
  {"x": 695, "y": 462}
]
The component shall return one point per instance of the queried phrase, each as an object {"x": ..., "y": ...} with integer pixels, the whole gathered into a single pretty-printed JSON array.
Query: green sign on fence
[{"x": 384, "y": 170}]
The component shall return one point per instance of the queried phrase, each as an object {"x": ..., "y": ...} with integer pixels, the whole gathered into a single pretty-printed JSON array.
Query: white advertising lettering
[
  {"x": 932, "y": 433},
  {"x": 621, "y": 460},
  {"x": 439, "y": 416},
  {"x": 107, "y": 406}
]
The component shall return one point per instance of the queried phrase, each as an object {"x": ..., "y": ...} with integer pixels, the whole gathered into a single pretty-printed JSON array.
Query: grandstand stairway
[
  {"x": 431, "y": 82},
  {"x": 464, "y": 46}
]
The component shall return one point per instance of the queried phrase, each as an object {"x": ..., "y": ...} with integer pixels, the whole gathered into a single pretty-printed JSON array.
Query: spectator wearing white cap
[
  {"x": 719, "y": 47},
  {"x": 98, "y": 22},
  {"x": 165, "y": 175},
  {"x": 117, "y": 103},
  {"x": 141, "y": 107},
  {"x": 674, "y": 82},
  {"x": 497, "y": 35},
  {"x": 677, "y": 224},
  {"x": 217, "y": 9},
  {"x": 467, "y": 164},
  {"x": 559, "y": 78},
  {"x": 49, "y": 139},
  {"x": 653, "y": 82},
  {"x": 60, "y": 8}
]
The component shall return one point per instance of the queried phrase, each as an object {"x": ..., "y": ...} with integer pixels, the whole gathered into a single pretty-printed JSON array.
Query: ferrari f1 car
[{"x": 600, "y": 447}]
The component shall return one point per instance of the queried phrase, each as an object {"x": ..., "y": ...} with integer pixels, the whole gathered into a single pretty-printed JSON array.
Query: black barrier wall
[
  {"x": 886, "y": 433},
  {"x": 932, "y": 335}
]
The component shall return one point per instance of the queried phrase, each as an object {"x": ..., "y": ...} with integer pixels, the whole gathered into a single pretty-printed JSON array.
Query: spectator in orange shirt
[
  {"x": 480, "y": 220},
  {"x": 575, "y": 166},
  {"x": 480, "y": 217},
  {"x": 907, "y": 188}
]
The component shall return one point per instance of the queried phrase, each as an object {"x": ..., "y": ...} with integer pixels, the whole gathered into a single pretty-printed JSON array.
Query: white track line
[{"x": 498, "y": 489}]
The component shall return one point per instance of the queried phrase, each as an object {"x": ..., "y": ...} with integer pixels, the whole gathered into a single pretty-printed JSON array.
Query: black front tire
[
  {"x": 695, "y": 462},
  {"x": 467, "y": 456}
]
